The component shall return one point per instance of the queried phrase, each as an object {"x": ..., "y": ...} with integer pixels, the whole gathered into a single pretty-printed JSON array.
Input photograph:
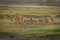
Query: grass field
[
  {"x": 50, "y": 4},
  {"x": 41, "y": 32},
  {"x": 29, "y": 11}
]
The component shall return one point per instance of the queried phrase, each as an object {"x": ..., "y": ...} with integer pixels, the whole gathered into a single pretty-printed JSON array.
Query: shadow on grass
[{"x": 13, "y": 36}]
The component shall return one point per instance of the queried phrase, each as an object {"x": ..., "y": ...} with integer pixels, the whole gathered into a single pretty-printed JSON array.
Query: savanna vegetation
[{"x": 28, "y": 31}]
